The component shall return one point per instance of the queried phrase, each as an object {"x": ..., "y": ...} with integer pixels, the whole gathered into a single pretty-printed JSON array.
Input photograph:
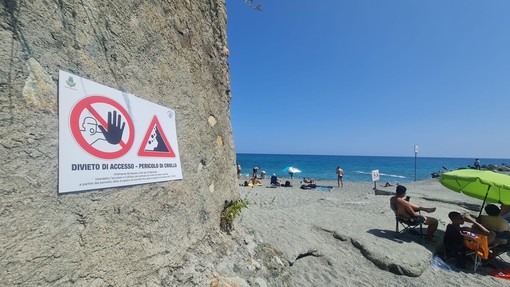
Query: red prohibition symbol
[{"x": 113, "y": 129}]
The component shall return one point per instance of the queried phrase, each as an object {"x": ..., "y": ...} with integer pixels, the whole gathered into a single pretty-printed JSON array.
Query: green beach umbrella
[{"x": 485, "y": 185}]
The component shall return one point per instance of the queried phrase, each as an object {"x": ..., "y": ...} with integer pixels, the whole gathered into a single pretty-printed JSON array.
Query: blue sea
[{"x": 356, "y": 168}]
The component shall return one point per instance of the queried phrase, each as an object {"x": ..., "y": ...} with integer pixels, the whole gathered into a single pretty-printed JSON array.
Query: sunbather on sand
[
  {"x": 387, "y": 184},
  {"x": 407, "y": 210},
  {"x": 254, "y": 181},
  {"x": 274, "y": 180},
  {"x": 308, "y": 186}
]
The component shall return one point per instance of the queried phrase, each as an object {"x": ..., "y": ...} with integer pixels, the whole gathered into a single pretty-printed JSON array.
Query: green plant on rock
[{"x": 231, "y": 210}]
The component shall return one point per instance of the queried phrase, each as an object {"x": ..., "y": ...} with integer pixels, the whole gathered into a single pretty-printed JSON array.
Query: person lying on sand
[
  {"x": 409, "y": 211},
  {"x": 387, "y": 184},
  {"x": 308, "y": 186}
]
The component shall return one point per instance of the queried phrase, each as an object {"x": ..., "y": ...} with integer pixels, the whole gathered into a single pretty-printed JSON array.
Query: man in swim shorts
[
  {"x": 340, "y": 174},
  {"x": 410, "y": 211}
]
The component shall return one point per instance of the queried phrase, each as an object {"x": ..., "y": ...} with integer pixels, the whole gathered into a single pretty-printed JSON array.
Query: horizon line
[{"x": 254, "y": 153}]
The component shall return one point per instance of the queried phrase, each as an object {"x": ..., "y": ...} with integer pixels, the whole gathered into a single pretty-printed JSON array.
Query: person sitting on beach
[
  {"x": 308, "y": 180},
  {"x": 387, "y": 184},
  {"x": 455, "y": 234},
  {"x": 409, "y": 211},
  {"x": 254, "y": 181},
  {"x": 274, "y": 180},
  {"x": 496, "y": 223}
]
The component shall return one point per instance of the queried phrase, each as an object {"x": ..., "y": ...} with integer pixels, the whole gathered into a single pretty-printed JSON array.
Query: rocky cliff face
[{"x": 173, "y": 53}]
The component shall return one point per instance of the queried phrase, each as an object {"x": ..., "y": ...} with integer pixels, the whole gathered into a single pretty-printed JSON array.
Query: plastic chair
[{"x": 478, "y": 247}]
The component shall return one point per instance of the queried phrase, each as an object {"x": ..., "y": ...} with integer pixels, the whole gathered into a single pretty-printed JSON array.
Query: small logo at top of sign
[
  {"x": 102, "y": 127},
  {"x": 70, "y": 82},
  {"x": 155, "y": 142}
]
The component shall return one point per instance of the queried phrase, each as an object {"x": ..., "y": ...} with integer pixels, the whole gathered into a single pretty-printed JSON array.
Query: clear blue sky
[{"x": 354, "y": 77}]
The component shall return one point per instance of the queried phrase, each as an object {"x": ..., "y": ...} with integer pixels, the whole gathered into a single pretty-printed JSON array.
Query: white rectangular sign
[
  {"x": 109, "y": 138},
  {"x": 375, "y": 175}
]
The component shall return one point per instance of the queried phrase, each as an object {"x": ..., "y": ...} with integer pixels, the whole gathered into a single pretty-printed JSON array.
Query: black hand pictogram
[{"x": 114, "y": 133}]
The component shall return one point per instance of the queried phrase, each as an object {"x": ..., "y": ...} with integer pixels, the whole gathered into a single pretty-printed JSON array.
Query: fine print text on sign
[{"x": 109, "y": 138}]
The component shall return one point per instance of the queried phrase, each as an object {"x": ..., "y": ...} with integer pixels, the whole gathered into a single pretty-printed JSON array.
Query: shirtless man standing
[
  {"x": 407, "y": 210},
  {"x": 340, "y": 173}
]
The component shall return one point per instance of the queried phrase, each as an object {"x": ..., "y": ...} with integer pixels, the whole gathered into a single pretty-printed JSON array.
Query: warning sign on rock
[
  {"x": 109, "y": 138},
  {"x": 155, "y": 142},
  {"x": 98, "y": 124}
]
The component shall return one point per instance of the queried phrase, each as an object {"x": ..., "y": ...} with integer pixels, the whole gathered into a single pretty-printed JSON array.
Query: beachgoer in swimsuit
[
  {"x": 274, "y": 180},
  {"x": 340, "y": 174},
  {"x": 410, "y": 211}
]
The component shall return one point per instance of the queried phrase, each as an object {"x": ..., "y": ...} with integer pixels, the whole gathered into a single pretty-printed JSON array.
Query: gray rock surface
[{"x": 173, "y": 53}]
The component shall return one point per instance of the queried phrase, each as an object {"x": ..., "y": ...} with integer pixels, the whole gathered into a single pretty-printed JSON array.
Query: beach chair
[
  {"x": 407, "y": 224},
  {"x": 480, "y": 251},
  {"x": 498, "y": 250},
  {"x": 478, "y": 248}
]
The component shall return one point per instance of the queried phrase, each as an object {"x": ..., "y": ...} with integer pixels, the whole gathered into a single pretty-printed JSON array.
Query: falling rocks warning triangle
[{"x": 155, "y": 143}]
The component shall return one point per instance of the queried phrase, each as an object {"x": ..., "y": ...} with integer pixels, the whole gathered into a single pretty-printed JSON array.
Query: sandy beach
[{"x": 346, "y": 237}]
